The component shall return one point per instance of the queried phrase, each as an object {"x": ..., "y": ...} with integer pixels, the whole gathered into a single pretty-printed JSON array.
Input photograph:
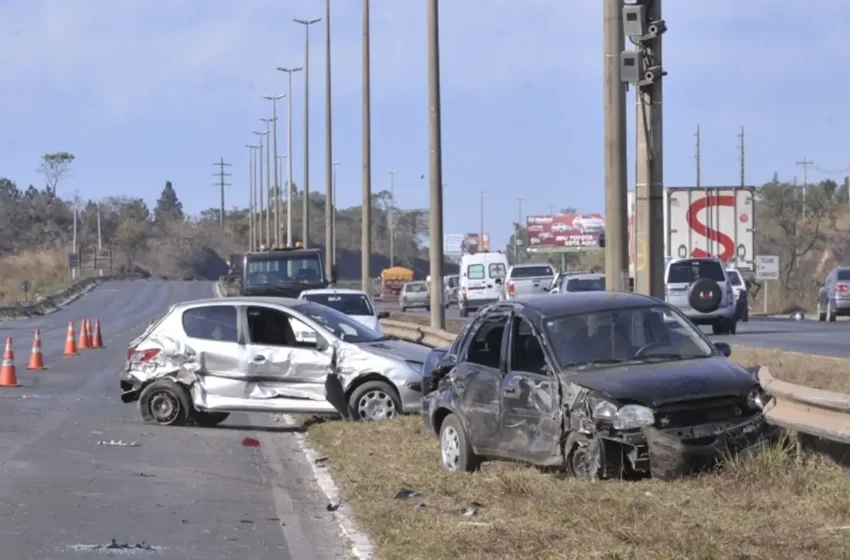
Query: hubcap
[
  {"x": 450, "y": 448},
  {"x": 164, "y": 407},
  {"x": 376, "y": 405},
  {"x": 581, "y": 463}
]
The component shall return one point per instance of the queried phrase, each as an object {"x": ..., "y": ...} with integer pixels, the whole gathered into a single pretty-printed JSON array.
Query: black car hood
[
  {"x": 287, "y": 290},
  {"x": 661, "y": 383}
]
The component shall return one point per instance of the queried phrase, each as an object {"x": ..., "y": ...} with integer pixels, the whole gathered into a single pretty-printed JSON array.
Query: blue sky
[{"x": 143, "y": 92}]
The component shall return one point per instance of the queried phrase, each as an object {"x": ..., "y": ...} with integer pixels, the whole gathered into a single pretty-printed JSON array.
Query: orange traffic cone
[
  {"x": 70, "y": 345},
  {"x": 8, "y": 378},
  {"x": 36, "y": 357},
  {"x": 97, "y": 341},
  {"x": 83, "y": 340},
  {"x": 89, "y": 338}
]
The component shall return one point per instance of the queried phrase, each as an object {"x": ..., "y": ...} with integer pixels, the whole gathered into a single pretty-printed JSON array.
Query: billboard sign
[
  {"x": 561, "y": 233},
  {"x": 475, "y": 243},
  {"x": 453, "y": 244}
]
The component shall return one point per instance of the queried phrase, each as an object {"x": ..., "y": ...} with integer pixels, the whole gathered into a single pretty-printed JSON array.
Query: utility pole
[
  {"x": 330, "y": 193},
  {"x": 221, "y": 184},
  {"x": 277, "y": 237},
  {"x": 435, "y": 145},
  {"x": 305, "y": 226},
  {"x": 516, "y": 230},
  {"x": 642, "y": 22},
  {"x": 616, "y": 177},
  {"x": 391, "y": 216},
  {"x": 99, "y": 232},
  {"x": 697, "y": 158},
  {"x": 481, "y": 216},
  {"x": 259, "y": 185},
  {"x": 289, "y": 72},
  {"x": 709, "y": 245},
  {"x": 333, "y": 240},
  {"x": 741, "y": 154},
  {"x": 251, "y": 148},
  {"x": 270, "y": 241},
  {"x": 366, "y": 208},
  {"x": 805, "y": 163}
]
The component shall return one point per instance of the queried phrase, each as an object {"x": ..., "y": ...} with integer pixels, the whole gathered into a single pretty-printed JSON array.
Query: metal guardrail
[
  {"x": 51, "y": 302},
  {"x": 810, "y": 411}
]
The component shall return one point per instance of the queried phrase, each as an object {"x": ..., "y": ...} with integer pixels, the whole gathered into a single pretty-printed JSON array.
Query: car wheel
[
  {"x": 718, "y": 327},
  {"x": 209, "y": 419},
  {"x": 746, "y": 315},
  {"x": 821, "y": 314},
  {"x": 165, "y": 402},
  {"x": 830, "y": 312},
  {"x": 456, "y": 453},
  {"x": 732, "y": 327},
  {"x": 374, "y": 400}
]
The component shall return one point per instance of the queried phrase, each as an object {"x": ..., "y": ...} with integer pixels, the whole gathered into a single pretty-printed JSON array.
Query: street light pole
[
  {"x": 289, "y": 72},
  {"x": 277, "y": 240},
  {"x": 333, "y": 240},
  {"x": 251, "y": 148},
  {"x": 268, "y": 186},
  {"x": 305, "y": 227},
  {"x": 259, "y": 185},
  {"x": 435, "y": 145},
  {"x": 330, "y": 203},
  {"x": 366, "y": 208},
  {"x": 391, "y": 216}
]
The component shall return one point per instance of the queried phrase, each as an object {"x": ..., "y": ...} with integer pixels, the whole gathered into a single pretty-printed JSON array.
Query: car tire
[
  {"x": 719, "y": 327},
  {"x": 732, "y": 327},
  {"x": 745, "y": 317},
  {"x": 166, "y": 403},
  {"x": 456, "y": 453},
  {"x": 209, "y": 419},
  {"x": 830, "y": 312},
  {"x": 463, "y": 312},
  {"x": 821, "y": 314},
  {"x": 374, "y": 401}
]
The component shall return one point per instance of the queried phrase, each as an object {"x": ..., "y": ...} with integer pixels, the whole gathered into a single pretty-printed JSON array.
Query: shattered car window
[
  {"x": 526, "y": 351},
  {"x": 350, "y": 304},
  {"x": 486, "y": 344},
  {"x": 215, "y": 322},
  {"x": 270, "y": 327},
  {"x": 610, "y": 338},
  {"x": 339, "y": 324}
]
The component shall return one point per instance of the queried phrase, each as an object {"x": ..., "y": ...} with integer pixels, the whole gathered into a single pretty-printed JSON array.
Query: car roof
[
  {"x": 586, "y": 276},
  {"x": 548, "y": 305},
  {"x": 320, "y": 291},
  {"x": 529, "y": 265},
  {"x": 241, "y": 300}
]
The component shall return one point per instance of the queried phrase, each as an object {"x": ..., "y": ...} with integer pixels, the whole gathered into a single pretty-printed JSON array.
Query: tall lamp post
[
  {"x": 277, "y": 235},
  {"x": 289, "y": 72}
]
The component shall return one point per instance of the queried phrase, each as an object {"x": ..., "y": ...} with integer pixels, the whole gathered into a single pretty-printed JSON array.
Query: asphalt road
[
  {"x": 812, "y": 337},
  {"x": 189, "y": 493}
]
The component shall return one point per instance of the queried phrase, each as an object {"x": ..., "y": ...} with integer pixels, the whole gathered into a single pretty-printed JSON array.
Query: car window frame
[
  {"x": 290, "y": 317},
  {"x": 474, "y": 265},
  {"x": 481, "y": 319},
  {"x": 549, "y": 370},
  {"x": 235, "y": 309}
]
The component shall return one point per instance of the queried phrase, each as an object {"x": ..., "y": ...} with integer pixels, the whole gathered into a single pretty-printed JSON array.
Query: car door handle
[
  {"x": 259, "y": 359},
  {"x": 510, "y": 390}
]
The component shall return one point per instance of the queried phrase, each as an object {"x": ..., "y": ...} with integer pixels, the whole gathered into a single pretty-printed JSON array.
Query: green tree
[
  {"x": 133, "y": 229},
  {"x": 54, "y": 168},
  {"x": 168, "y": 208}
]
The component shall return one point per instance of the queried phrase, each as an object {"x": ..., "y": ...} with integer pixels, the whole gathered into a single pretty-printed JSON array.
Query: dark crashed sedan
[{"x": 601, "y": 384}]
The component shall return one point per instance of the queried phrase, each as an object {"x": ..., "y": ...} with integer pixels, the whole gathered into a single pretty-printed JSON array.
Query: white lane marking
[{"x": 361, "y": 545}]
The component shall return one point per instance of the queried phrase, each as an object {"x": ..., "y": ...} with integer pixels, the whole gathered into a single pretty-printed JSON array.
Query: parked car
[
  {"x": 601, "y": 384},
  {"x": 742, "y": 300},
  {"x": 354, "y": 303},
  {"x": 205, "y": 359},
  {"x": 702, "y": 290},
  {"x": 834, "y": 294},
  {"x": 528, "y": 279}
]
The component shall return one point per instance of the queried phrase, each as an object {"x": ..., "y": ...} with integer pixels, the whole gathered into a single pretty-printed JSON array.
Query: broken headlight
[
  {"x": 628, "y": 417},
  {"x": 758, "y": 398}
]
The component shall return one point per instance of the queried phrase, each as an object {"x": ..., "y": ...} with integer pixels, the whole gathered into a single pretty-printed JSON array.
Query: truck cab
[{"x": 284, "y": 272}]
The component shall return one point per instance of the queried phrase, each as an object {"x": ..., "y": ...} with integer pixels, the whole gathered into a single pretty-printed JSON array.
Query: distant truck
[
  {"x": 529, "y": 279},
  {"x": 700, "y": 222},
  {"x": 393, "y": 280},
  {"x": 284, "y": 272}
]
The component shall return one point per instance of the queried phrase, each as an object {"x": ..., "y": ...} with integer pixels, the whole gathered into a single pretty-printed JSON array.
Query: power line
[{"x": 221, "y": 184}]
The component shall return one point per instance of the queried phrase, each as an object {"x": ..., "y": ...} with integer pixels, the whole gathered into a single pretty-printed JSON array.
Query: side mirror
[
  {"x": 383, "y": 314},
  {"x": 321, "y": 344},
  {"x": 723, "y": 348}
]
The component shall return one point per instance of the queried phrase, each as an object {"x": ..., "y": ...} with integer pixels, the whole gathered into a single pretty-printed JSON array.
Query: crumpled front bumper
[{"x": 673, "y": 457}]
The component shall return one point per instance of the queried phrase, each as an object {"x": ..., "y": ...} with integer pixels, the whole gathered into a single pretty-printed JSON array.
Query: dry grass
[
  {"x": 47, "y": 272},
  {"x": 822, "y": 372},
  {"x": 765, "y": 507}
]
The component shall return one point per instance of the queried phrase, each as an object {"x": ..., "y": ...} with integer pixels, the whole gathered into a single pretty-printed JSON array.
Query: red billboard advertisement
[{"x": 564, "y": 232}]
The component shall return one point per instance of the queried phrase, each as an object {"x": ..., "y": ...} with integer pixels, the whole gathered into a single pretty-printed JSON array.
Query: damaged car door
[
  {"x": 477, "y": 377},
  {"x": 281, "y": 363},
  {"x": 530, "y": 413}
]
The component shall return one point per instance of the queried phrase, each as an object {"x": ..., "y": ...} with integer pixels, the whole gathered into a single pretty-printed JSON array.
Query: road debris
[
  {"x": 119, "y": 443},
  {"x": 250, "y": 442},
  {"x": 405, "y": 493},
  {"x": 114, "y": 547}
]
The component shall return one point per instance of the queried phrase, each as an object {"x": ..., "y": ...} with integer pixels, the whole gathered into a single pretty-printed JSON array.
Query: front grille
[{"x": 685, "y": 414}]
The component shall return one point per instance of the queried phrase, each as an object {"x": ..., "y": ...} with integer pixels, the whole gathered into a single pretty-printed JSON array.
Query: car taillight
[
  {"x": 404, "y": 298},
  {"x": 427, "y": 296},
  {"x": 142, "y": 355},
  {"x": 511, "y": 288},
  {"x": 842, "y": 289}
]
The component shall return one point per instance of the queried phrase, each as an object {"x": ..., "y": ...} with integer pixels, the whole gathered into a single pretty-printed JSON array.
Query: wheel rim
[
  {"x": 164, "y": 407},
  {"x": 581, "y": 463},
  {"x": 450, "y": 448},
  {"x": 376, "y": 405}
]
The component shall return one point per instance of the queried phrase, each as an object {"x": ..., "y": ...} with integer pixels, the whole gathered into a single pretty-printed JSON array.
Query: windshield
[
  {"x": 339, "y": 324},
  {"x": 531, "y": 271},
  {"x": 350, "y": 304},
  {"x": 735, "y": 277},
  {"x": 642, "y": 334},
  {"x": 685, "y": 272},
  {"x": 843, "y": 274},
  {"x": 586, "y": 285},
  {"x": 281, "y": 269},
  {"x": 416, "y": 287}
]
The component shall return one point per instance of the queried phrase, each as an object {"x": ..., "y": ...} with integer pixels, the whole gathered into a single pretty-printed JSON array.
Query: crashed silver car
[
  {"x": 599, "y": 384},
  {"x": 208, "y": 358}
]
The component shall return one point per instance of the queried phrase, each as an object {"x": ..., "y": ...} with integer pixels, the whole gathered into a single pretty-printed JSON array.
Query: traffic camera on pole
[{"x": 637, "y": 66}]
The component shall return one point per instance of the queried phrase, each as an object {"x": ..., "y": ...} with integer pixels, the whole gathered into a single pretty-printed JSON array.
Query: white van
[{"x": 482, "y": 281}]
